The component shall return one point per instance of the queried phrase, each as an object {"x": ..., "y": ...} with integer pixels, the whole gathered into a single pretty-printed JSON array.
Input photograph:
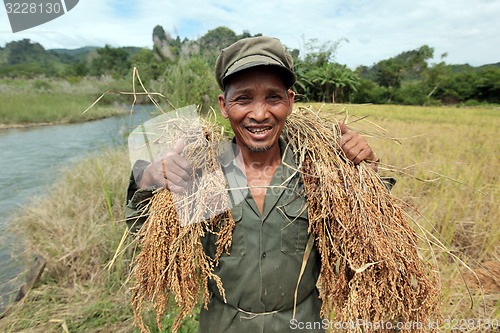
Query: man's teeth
[{"x": 259, "y": 130}]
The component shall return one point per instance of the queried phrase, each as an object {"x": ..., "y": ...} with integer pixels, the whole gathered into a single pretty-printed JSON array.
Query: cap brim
[{"x": 258, "y": 60}]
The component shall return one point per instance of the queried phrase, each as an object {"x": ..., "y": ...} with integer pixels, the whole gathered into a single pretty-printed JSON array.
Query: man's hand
[
  {"x": 169, "y": 170},
  {"x": 356, "y": 148}
]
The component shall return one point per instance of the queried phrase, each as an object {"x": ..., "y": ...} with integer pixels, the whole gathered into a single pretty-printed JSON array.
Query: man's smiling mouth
[{"x": 259, "y": 130}]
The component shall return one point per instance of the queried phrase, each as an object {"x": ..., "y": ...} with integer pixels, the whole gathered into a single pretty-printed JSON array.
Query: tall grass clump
[{"x": 76, "y": 226}]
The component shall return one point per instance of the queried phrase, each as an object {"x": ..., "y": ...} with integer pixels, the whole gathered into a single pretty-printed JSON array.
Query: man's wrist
[{"x": 145, "y": 180}]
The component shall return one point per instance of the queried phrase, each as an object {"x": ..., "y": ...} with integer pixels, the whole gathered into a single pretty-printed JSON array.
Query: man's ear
[
  {"x": 291, "y": 100},
  {"x": 222, "y": 106}
]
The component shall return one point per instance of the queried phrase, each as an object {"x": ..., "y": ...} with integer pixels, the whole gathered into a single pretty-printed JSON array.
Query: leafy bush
[
  {"x": 369, "y": 92},
  {"x": 42, "y": 85},
  {"x": 190, "y": 81},
  {"x": 410, "y": 94}
]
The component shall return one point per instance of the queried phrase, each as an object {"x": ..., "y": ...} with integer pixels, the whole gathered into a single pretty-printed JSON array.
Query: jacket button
[{"x": 263, "y": 254}]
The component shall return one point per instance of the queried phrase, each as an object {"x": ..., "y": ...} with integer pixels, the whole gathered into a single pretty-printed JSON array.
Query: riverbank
[
  {"x": 114, "y": 112},
  {"x": 446, "y": 164},
  {"x": 77, "y": 227},
  {"x": 43, "y": 101}
]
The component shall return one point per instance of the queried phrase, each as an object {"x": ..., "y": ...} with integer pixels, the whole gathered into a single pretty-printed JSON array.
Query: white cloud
[{"x": 376, "y": 30}]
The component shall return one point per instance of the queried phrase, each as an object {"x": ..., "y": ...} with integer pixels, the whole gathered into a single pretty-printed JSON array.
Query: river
[{"x": 29, "y": 161}]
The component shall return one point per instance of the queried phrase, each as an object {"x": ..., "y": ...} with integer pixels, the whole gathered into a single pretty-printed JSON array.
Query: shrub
[{"x": 369, "y": 92}]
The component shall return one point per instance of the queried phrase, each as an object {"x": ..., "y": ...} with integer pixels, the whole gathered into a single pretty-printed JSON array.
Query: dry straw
[
  {"x": 371, "y": 271},
  {"x": 172, "y": 261}
]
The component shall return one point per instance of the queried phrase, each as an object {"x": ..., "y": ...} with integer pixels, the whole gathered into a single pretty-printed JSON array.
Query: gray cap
[{"x": 251, "y": 52}]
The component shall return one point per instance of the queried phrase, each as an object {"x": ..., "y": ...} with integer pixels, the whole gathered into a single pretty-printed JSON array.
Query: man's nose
[{"x": 260, "y": 112}]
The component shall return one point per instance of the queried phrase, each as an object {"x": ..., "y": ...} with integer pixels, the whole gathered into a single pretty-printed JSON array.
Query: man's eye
[
  {"x": 243, "y": 98},
  {"x": 274, "y": 98}
]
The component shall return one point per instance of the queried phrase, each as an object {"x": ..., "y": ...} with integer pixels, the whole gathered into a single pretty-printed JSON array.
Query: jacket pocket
[
  {"x": 238, "y": 247},
  {"x": 294, "y": 227}
]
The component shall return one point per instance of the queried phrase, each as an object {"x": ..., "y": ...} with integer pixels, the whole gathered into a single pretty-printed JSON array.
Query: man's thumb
[
  {"x": 343, "y": 128},
  {"x": 179, "y": 146}
]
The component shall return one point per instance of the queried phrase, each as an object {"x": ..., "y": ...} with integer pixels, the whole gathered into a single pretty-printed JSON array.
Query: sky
[{"x": 367, "y": 30}]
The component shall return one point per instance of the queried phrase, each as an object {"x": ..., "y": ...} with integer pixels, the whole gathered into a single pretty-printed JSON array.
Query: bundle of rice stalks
[
  {"x": 371, "y": 271},
  {"x": 172, "y": 261}
]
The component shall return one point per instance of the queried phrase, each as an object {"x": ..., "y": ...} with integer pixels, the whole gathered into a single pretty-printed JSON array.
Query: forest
[{"x": 183, "y": 70}]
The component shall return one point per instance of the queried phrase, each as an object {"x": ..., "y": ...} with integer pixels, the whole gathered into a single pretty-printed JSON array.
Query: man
[{"x": 261, "y": 273}]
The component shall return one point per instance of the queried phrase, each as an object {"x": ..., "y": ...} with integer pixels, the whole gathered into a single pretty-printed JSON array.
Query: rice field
[{"x": 446, "y": 164}]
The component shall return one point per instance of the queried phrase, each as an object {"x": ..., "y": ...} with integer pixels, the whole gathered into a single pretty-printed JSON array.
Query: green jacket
[{"x": 261, "y": 272}]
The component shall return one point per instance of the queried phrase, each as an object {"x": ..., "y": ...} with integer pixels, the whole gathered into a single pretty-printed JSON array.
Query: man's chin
[{"x": 259, "y": 149}]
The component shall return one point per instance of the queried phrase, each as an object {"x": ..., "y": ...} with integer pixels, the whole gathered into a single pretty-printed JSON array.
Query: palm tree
[{"x": 336, "y": 81}]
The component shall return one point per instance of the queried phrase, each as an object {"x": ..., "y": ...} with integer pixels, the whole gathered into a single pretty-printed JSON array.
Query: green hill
[{"x": 26, "y": 58}]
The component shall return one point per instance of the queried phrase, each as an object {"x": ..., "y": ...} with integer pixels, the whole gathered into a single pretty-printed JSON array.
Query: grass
[
  {"x": 449, "y": 160},
  {"x": 38, "y": 101},
  {"x": 77, "y": 227},
  {"x": 50, "y": 108},
  {"x": 446, "y": 163},
  {"x": 74, "y": 228}
]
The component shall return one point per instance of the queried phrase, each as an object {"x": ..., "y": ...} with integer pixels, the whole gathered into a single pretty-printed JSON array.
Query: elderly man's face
[{"x": 256, "y": 102}]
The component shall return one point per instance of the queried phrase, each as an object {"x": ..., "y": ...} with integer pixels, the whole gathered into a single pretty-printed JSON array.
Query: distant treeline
[{"x": 183, "y": 71}]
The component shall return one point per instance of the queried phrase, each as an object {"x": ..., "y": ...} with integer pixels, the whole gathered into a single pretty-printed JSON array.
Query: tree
[
  {"x": 159, "y": 32},
  {"x": 149, "y": 67},
  {"x": 459, "y": 87},
  {"x": 488, "y": 85},
  {"x": 369, "y": 92},
  {"x": 218, "y": 38},
  {"x": 304, "y": 85},
  {"x": 417, "y": 61},
  {"x": 190, "y": 81},
  {"x": 336, "y": 82},
  {"x": 24, "y": 51},
  {"x": 163, "y": 45},
  {"x": 393, "y": 72},
  {"x": 110, "y": 61},
  {"x": 435, "y": 76},
  {"x": 319, "y": 77},
  {"x": 390, "y": 73},
  {"x": 78, "y": 69}
]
